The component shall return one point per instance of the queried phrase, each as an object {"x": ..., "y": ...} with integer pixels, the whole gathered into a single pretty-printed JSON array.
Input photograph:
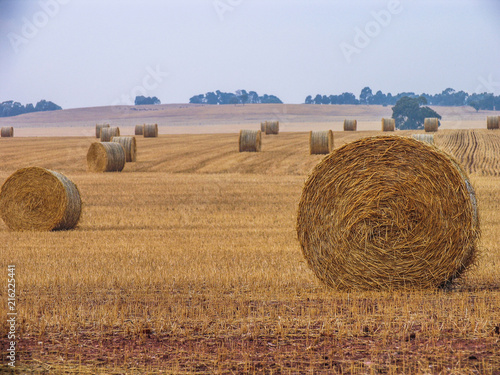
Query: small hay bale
[
  {"x": 388, "y": 212},
  {"x": 427, "y": 138},
  {"x": 7, "y": 131},
  {"x": 320, "y": 142},
  {"x": 263, "y": 126},
  {"x": 108, "y": 133},
  {"x": 98, "y": 128},
  {"x": 492, "y": 122},
  {"x": 139, "y": 130},
  {"x": 272, "y": 127},
  {"x": 39, "y": 199},
  {"x": 150, "y": 130},
  {"x": 250, "y": 140},
  {"x": 350, "y": 125},
  {"x": 388, "y": 124},
  {"x": 129, "y": 145},
  {"x": 431, "y": 124},
  {"x": 105, "y": 157}
]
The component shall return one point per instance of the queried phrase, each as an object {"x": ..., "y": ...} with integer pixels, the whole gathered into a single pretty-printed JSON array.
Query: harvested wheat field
[{"x": 188, "y": 262}]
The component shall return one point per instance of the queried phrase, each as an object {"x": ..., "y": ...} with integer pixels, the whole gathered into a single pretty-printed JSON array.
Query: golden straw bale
[
  {"x": 320, "y": 142},
  {"x": 105, "y": 157},
  {"x": 39, "y": 199},
  {"x": 150, "y": 130},
  {"x": 108, "y": 133},
  {"x": 263, "y": 126},
  {"x": 7, "y": 131},
  {"x": 139, "y": 130},
  {"x": 431, "y": 124},
  {"x": 250, "y": 140},
  {"x": 492, "y": 122},
  {"x": 388, "y": 124},
  {"x": 388, "y": 212},
  {"x": 98, "y": 128},
  {"x": 129, "y": 145},
  {"x": 350, "y": 125},
  {"x": 272, "y": 127},
  {"x": 427, "y": 138}
]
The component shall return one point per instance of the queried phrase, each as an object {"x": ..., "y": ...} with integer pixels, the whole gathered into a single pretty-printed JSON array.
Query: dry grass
[{"x": 203, "y": 274}]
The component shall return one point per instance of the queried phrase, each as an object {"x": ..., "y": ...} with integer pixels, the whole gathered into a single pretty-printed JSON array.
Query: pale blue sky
[{"x": 81, "y": 53}]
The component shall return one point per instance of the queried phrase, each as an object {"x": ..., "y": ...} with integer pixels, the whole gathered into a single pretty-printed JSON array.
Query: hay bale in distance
[
  {"x": 7, "y": 131},
  {"x": 388, "y": 124},
  {"x": 350, "y": 125},
  {"x": 263, "y": 126},
  {"x": 388, "y": 212},
  {"x": 431, "y": 124},
  {"x": 108, "y": 133},
  {"x": 492, "y": 122},
  {"x": 139, "y": 130},
  {"x": 105, "y": 157},
  {"x": 320, "y": 142},
  {"x": 272, "y": 127},
  {"x": 250, "y": 141},
  {"x": 427, "y": 138},
  {"x": 98, "y": 128},
  {"x": 150, "y": 130},
  {"x": 39, "y": 199},
  {"x": 129, "y": 146}
]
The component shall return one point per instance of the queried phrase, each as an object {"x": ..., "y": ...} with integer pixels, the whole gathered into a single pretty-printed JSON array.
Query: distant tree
[
  {"x": 44, "y": 105},
  {"x": 365, "y": 95},
  {"x": 408, "y": 113},
  {"x": 474, "y": 105},
  {"x": 308, "y": 99},
  {"x": 142, "y": 100},
  {"x": 211, "y": 98}
]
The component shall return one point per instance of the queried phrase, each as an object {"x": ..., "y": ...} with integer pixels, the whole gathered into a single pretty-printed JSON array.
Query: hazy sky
[{"x": 80, "y": 53}]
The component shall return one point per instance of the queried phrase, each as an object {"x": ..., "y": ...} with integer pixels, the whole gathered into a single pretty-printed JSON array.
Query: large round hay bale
[
  {"x": 250, "y": 140},
  {"x": 105, "y": 157},
  {"x": 263, "y": 126},
  {"x": 320, "y": 142},
  {"x": 139, "y": 130},
  {"x": 272, "y": 127},
  {"x": 431, "y": 124},
  {"x": 7, "y": 131},
  {"x": 388, "y": 212},
  {"x": 98, "y": 128},
  {"x": 427, "y": 138},
  {"x": 39, "y": 199},
  {"x": 129, "y": 146},
  {"x": 150, "y": 130},
  {"x": 492, "y": 122},
  {"x": 388, "y": 124},
  {"x": 350, "y": 125},
  {"x": 108, "y": 133}
]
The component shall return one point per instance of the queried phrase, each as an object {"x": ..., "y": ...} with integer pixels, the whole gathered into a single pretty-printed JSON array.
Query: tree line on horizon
[
  {"x": 239, "y": 97},
  {"x": 12, "y": 108}
]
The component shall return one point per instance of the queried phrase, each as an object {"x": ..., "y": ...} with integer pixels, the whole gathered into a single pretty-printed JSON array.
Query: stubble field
[{"x": 187, "y": 262}]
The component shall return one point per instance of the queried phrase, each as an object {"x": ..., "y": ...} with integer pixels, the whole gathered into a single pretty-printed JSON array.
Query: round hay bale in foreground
[
  {"x": 350, "y": 125},
  {"x": 272, "y": 127},
  {"x": 388, "y": 124},
  {"x": 250, "y": 140},
  {"x": 105, "y": 157},
  {"x": 108, "y": 133},
  {"x": 98, "y": 128},
  {"x": 39, "y": 199},
  {"x": 388, "y": 212},
  {"x": 139, "y": 130},
  {"x": 7, "y": 131},
  {"x": 492, "y": 122},
  {"x": 320, "y": 142},
  {"x": 427, "y": 138},
  {"x": 431, "y": 124},
  {"x": 150, "y": 130},
  {"x": 129, "y": 146}
]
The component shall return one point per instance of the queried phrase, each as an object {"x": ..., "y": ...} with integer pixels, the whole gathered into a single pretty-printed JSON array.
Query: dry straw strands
[
  {"x": 7, "y": 131},
  {"x": 105, "y": 157},
  {"x": 39, "y": 199},
  {"x": 250, "y": 140},
  {"x": 320, "y": 142},
  {"x": 272, "y": 127},
  {"x": 492, "y": 122},
  {"x": 129, "y": 146},
  {"x": 431, "y": 124},
  {"x": 150, "y": 130},
  {"x": 108, "y": 133},
  {"x": 350, "y": 125},
  {"x": 388, "y": 124},
  {"x": 427, "y": 138},
  {"x": 98, "y": 128},
  {"x": 139, "y": 130},
  {"x": 388, "y": 212}
]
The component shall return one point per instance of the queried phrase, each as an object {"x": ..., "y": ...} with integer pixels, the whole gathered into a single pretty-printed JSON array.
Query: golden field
[{"x": 188, "y": 262}]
